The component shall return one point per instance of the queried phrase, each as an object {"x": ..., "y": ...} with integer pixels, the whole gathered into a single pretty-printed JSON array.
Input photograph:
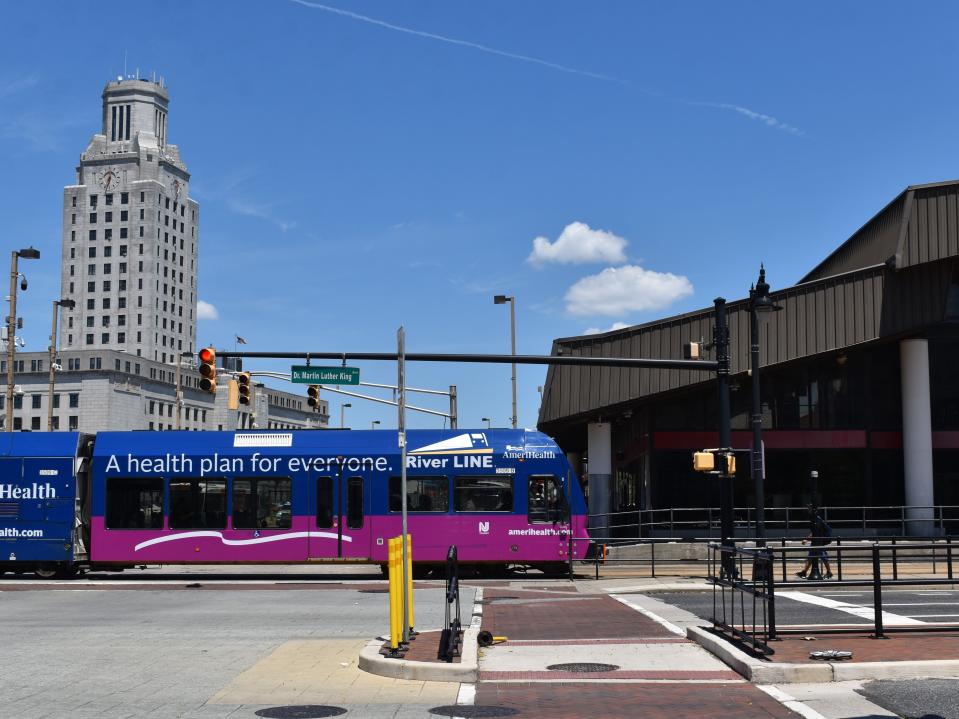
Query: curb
[
  {"x": 769, "y": 673},
  {"x": 467, "y": 670}
]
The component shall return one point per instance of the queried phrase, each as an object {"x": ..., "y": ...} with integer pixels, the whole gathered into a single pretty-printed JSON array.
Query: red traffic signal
[{"x": 208, "y": 370}]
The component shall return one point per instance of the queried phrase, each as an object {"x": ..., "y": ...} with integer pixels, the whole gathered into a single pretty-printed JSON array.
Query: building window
[
  {"x": 55, "y": 423},
  {"x": 105, "y": 338},
  {"x": 108, "y": 234},
  {"x": 108, "y": 198},
  {"x": 35, "y": 401},
  {"x": 91, "y": 302},
  {"x": 125, "y": 196},
  {"x": 35, "y": 424},
  {"x": 90, "y": 337},
  {"x": 107, "y": 251},
  {"x": 91, "y": 269},
  {"x": 56, "y": 401},
  {"x": 18, "y": 401},
  {"x": 423, "y": 494},
  {"x": 106, "y": 285},
  {"x": 93, "y": 201},
  {"x": 121, "y": 337},
  {"x": 74, "y": 423},
  {"x": 95, "y": 363},
  {"x": 142, "y": 197},
  {"x": 123, "y": 233},
  {"x": 93, "y": 235},
  {"x": 17, "y": 423},
  {"x": 108, "y": 217},
  {"x": 93, "y": 218}
]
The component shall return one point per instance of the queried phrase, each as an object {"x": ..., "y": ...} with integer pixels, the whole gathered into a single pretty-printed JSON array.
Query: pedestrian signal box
[{"x": 704, "y": 461}]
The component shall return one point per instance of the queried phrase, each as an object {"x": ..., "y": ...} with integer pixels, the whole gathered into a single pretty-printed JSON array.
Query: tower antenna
[{"x": 124, "y": 64}]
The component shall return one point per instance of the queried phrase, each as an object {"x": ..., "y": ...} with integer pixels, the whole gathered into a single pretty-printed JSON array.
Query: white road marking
[
  {"x": 854, "y": 609},
  {"x": 936, "y": 615},
  {"x": 790, "y": 702},
  {"x": 655, "y": 617},
  {"x": 918, "y": 604}
]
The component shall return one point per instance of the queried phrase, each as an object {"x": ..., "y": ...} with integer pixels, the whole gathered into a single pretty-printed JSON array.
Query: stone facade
[
  {"x": 129, "y": 263},
  {"x": 110, "y": 390}
]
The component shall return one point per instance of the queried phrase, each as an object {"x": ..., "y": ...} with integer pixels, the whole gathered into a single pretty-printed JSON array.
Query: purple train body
[{"x": 500, "y": 496}]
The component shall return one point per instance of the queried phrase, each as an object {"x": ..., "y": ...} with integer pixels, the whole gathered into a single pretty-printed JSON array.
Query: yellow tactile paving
[{"x": 324, "y": 671}]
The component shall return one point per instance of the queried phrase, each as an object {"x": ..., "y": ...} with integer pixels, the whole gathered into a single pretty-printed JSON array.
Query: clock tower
[{"x": 130, "y": 233}]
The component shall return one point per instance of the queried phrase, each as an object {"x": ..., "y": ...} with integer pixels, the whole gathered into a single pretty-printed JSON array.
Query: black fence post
[
  {"x": 839, "y": 558},
  {"x": 949, "y": 557},
  {"x": 785, "y": 578},
  {"x": 895, "y": 564},
  {"x": 877, "y": 594},
  {"x": 652, "y": 548},
  {"x": 771, "y": 596},
  {"x": 570, "y": 554}
]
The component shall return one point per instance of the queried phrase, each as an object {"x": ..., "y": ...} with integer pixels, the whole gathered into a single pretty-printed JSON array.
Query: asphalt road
[
  {"x": 916, "y": 698},
  {"x": 100, "y": 650},
  {"x": 827, "y": 607}
]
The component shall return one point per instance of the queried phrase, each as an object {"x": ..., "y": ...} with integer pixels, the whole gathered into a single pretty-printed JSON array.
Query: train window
[
  {"x": 354, "y": 502},
  {"x": 423, "y": 494},
  {"x": 134, "y": 503},
  {"x": 324, "y": 502},
  {"x": 262, "y": 503},
  {"x": 198, "y": 504},
  {"x": 483, "y": 494},
  {"x": 546, "y": 500}
]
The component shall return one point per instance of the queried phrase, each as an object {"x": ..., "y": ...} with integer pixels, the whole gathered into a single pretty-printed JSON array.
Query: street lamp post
[
  {"x": 487, "y": 420},
  {"x": 27, "y": 254},
  {"x": 761, "y": 307},
  {"x": 57, "y": 304},
  {"x": 343, "y": 414},
  {"x": 374, "y": 423},
  {"x": 502, "y": 300}
]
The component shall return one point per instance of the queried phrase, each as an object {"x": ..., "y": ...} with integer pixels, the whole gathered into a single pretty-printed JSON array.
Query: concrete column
[
  {"x": 600, "y": 468},
  {"x": 917, "y": 435}
]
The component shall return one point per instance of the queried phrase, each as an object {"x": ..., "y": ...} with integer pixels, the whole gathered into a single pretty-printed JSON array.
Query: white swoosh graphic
[{"x": 238, "y": 542}]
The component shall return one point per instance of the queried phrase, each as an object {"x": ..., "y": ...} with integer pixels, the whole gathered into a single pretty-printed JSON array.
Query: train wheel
[{"x": 47, "y": 570}]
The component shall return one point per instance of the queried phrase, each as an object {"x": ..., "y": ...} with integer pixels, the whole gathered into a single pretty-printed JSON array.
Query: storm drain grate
[
  {"x": 302, "y": 711},
  {"x": 582, "y": 667},
  {"x": 471, "y": 711}
]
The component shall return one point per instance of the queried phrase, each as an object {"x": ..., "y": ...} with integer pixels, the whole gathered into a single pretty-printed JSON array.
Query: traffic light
[
  {"x": 245, "y": 387},
  {"x": 208, "y": 370},
  {"x": 313, "y": 394},
  {"x": 730, "y": 464}
]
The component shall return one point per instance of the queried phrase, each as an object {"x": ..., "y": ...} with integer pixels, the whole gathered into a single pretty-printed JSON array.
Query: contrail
[
  {"x": 456, "y": 41},
  {"x": 768, "y": 120}
]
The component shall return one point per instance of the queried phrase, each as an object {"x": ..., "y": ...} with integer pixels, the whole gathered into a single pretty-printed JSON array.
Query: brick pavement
[
  {"x": 910, "y": 646},
  {"x": 660, "y": 674},
  {"x": 659, "y": 700}
]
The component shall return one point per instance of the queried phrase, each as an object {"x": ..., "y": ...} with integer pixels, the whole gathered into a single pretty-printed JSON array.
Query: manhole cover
[
  {"x": 469, "y": 711},
  {"x": 303, "y": 711},
  {"x": 582, "y": 667}
]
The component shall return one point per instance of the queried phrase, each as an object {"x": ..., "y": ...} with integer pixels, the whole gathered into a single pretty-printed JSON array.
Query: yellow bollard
[
  {"x": 396, "y": 599},
  {"x": 409, "y": 579}
]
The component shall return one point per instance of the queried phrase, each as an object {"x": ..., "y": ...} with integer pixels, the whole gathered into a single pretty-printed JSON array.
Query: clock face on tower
[{"x": 109, "y": 178}]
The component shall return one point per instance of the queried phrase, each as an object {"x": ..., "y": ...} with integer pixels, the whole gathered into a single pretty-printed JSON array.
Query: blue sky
[{"x": 368, "y": 164}]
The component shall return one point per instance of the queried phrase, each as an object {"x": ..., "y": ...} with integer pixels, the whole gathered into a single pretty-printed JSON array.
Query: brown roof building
[{"x": 858, "y": 383}]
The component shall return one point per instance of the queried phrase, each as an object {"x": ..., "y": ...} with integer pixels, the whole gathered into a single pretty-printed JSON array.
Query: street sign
[{"x": 304, "y": 374}]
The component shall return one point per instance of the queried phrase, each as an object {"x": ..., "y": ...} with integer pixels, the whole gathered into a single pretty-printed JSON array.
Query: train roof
[
  {"x": 39, "y": 444},
  {"x": 320, "y": 442}
]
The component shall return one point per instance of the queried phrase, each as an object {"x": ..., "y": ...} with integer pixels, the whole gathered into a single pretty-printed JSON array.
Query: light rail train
[{"x": 70, "y": 501}]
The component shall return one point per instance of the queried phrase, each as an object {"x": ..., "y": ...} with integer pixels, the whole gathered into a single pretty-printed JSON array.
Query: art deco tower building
[{"x": 130, "y": 234}]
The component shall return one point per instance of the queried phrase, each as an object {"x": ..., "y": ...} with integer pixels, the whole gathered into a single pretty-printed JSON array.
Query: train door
[
  {"x": 342, "y": 525},
  {"x": 547, "y": 505}
]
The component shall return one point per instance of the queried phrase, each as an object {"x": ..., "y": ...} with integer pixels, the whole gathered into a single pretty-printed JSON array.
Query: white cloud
[
  {"x": 206, "y": 311},
  {"x": 579, "y": 243},
  {"x": 618, "y": 290},
  {"x": 597, "y": 330}
]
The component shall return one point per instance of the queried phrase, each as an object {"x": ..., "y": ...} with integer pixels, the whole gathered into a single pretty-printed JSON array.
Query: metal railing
[
  {"x": 704, "y": 522},
  {"x": 744, "y": 595}
]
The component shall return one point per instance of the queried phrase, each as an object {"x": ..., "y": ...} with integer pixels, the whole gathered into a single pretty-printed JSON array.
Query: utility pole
[{"x": 27, "y": 254}]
